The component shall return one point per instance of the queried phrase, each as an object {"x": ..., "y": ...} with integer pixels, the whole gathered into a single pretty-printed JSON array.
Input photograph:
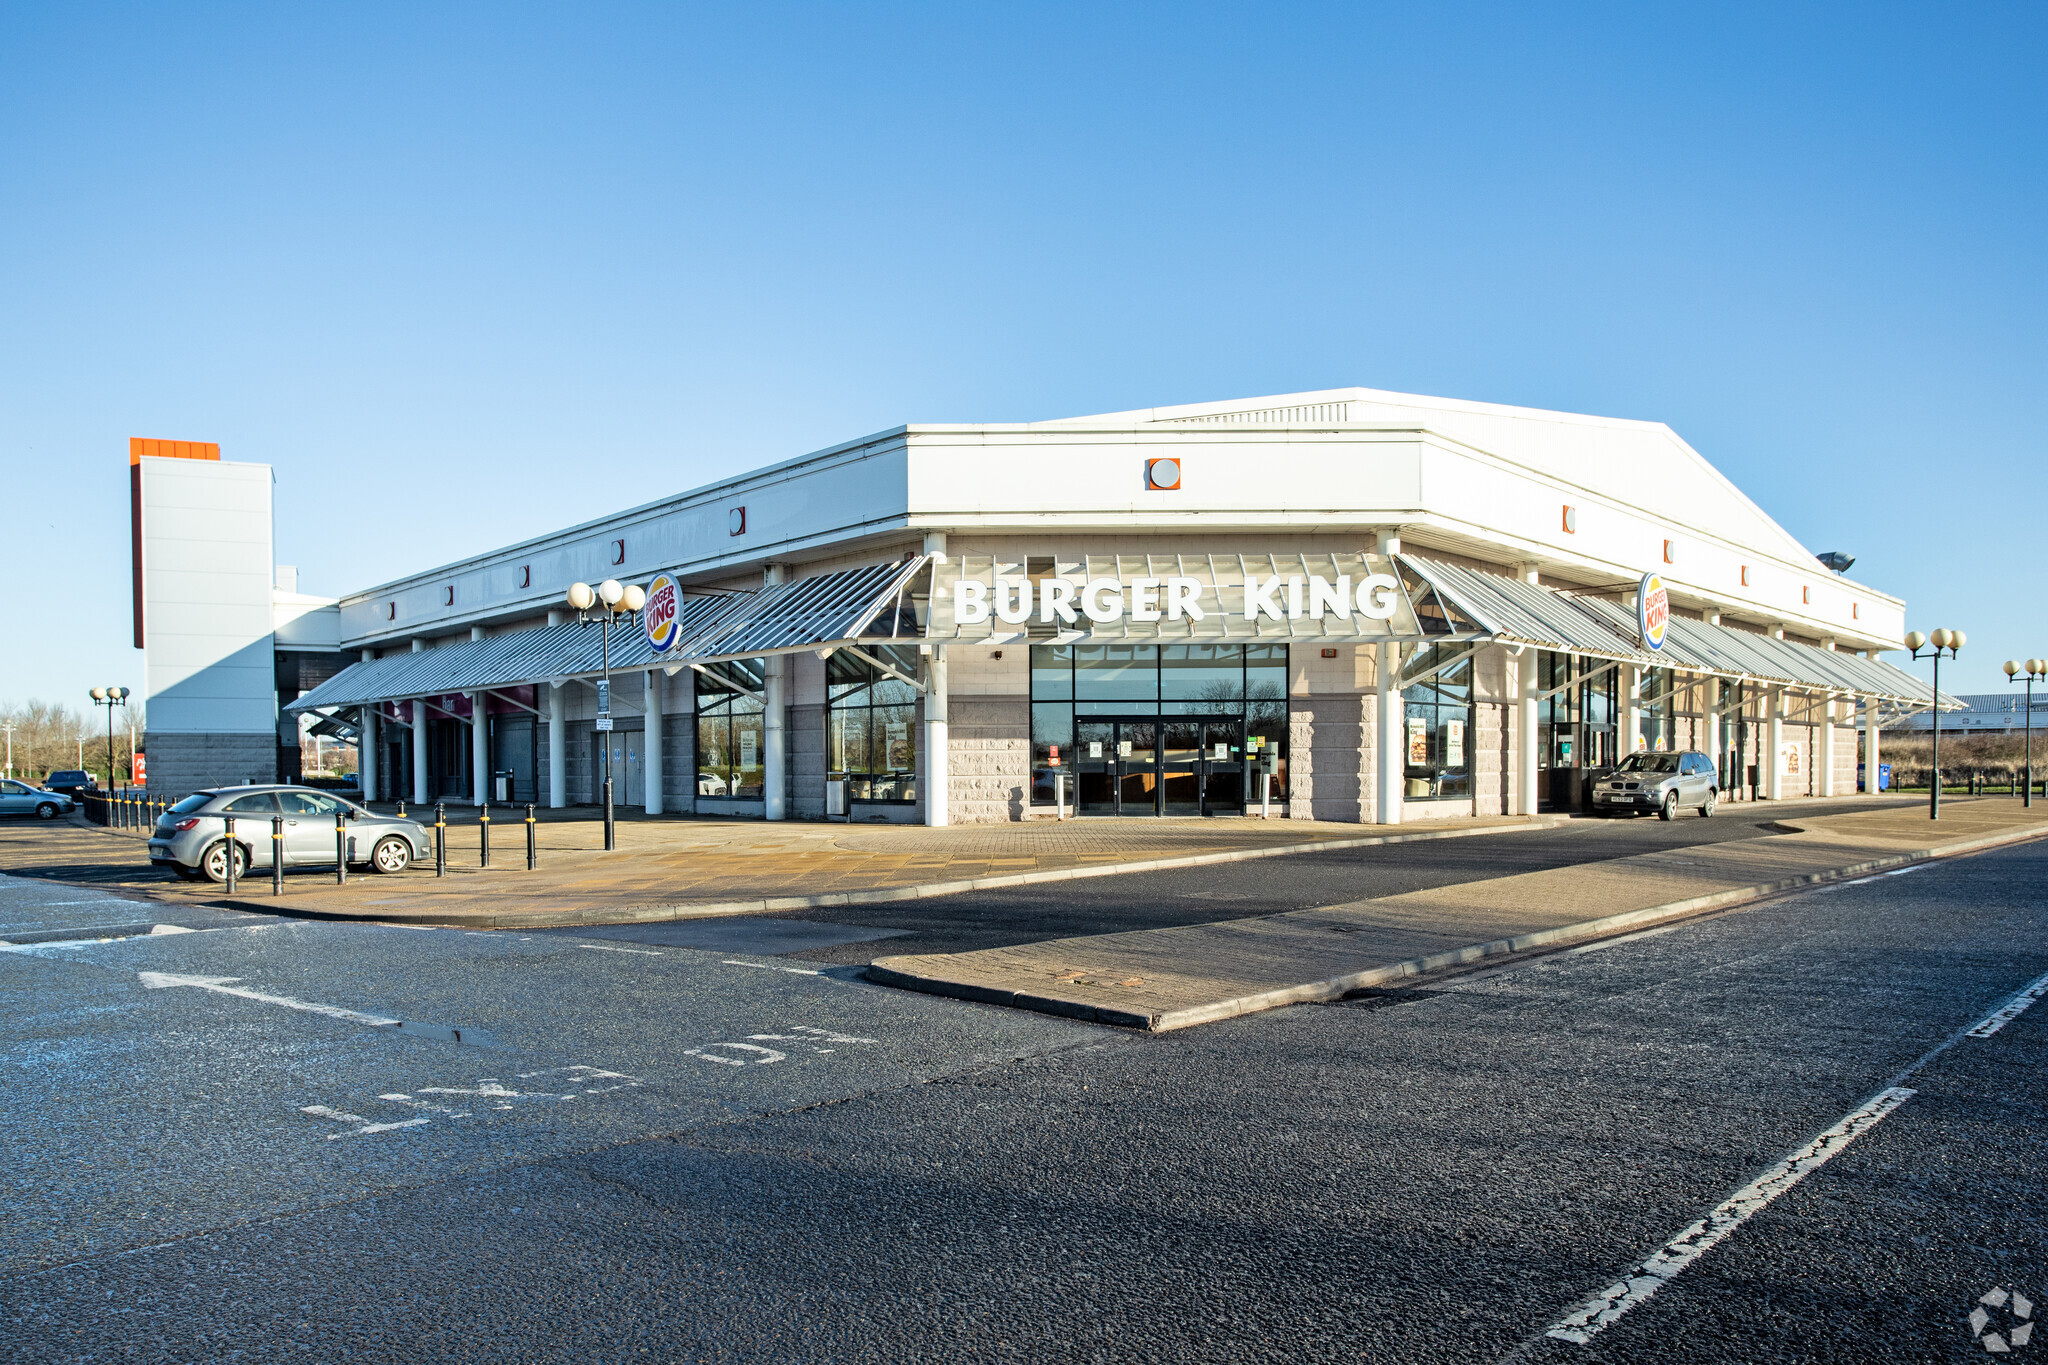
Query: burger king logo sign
[
  {"x": 1653, "y": 610},
  {"x": 658, "y": 617}
]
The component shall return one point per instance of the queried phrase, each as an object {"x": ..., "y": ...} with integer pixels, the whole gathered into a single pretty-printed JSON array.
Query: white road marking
[
  {"x": 338, "y": 1115},
  {"x": 769, "y": 1056},
  {"x": 608, "y": 948},
  {"x": 2013, "y": 1008},
  {"x": 158, "y": 930},
  {"x": 771, "y": 967},
  {"x": 1604, "y": 1308},
  {"x": 806, "y": 1034},
  {"x": 157, "y": 981},
  {"x": 422, "y": 1104}
]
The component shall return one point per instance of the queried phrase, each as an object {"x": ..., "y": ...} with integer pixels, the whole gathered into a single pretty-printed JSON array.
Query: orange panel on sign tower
[{"x": 139, "y": 446}]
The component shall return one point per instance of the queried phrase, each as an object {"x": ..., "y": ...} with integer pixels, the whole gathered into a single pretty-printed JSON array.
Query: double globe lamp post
[
  {"x": 1952, "y": 641},
  {"x": 110, "y": 697},
  {"x": 2035, "y": 669},
  {"x": 604, "y": 604}
]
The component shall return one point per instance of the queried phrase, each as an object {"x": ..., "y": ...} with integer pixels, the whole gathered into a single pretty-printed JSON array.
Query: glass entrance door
[
  {"x": 1201, "y": 766},
  {"x": 1116, "y": 765}
]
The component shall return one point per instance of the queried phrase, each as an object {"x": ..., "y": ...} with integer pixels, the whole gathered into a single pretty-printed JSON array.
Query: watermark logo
[{"x": 2002, "y": 1321}]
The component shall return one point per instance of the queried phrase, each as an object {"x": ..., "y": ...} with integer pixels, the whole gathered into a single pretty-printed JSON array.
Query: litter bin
[
  {"x": 501, "y": 787},
  {"x": 835, "y": 797}
]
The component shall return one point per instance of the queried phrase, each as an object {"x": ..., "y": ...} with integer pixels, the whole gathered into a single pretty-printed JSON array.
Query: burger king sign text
[{"x": 658, "y": 617}]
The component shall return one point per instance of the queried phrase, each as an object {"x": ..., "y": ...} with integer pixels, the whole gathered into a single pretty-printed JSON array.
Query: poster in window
[
  {"x": 897, "y": 734},
  {"x": 1454, "y": 744},
  {"x": 1418, "y": 740},
  {"x": 747, "y": 750}
]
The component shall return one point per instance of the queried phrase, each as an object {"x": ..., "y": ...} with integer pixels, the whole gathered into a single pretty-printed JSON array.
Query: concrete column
[
  {"x": 775, "y": 774},
  {"x": 1528, "y": 735},
  {"x": 1391, "y": 745},
  {"x": 652, "y": 775},
  {"x": 937, "y": 790},
  {"x": 1712, "y": 743},
  {"x": 558, "y": 750},
  {"x": 1870, "y": 745},
  {"x": 1824, "y": 756},
  {"x": 419, "y": 753},
  {"x": 366, "y": 753},
  {"x": 1631, "y": 736},
  {"x": 1774, "y": 762},
  {"x": 479, "y": 750}
]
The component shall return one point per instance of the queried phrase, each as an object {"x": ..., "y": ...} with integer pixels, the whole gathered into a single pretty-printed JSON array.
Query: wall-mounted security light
[
  {"x": 1571, "y": 520},
  {"x": 736, "y": 522},
  {"x": 618, "y": 552},
  {"x": 1162, "y": 476}
]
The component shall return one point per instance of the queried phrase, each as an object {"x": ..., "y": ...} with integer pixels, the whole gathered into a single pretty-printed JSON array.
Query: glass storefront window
[
  {"x": 1438, "y": 735},
  {"x": 1073, "y": 686},
  {"x": 871, "y": 725},
  {"x": 730, "y": 730},
  {"x": 1656, "y": 729}
]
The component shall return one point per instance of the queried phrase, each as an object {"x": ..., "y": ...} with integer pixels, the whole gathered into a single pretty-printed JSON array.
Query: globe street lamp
[
  {"x": 1952, "y": 641},
  {"x": 2036, "y": 668},
  {"x": 110, "y": 697},
  {"x": 604, "y": 604}
]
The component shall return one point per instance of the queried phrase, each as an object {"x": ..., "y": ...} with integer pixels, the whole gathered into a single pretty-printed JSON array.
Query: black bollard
[
  {"x": 340, "y": 849},
  {"x": 483, "y": 826},
  {"x": 277, "y": 855},
  {"x": 440, "y": 839},
  {"x": 532, "y": 852},
  {"x": 229, "y": 821}
]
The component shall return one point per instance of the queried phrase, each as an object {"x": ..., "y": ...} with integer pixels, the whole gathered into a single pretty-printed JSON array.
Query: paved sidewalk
[
  {"x": 685, "y": 869},
  {"x": 1171, "y": 978}
]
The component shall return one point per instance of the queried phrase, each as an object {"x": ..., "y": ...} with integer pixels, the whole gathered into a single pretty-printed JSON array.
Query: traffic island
[{"x": 1162, "y": 979}]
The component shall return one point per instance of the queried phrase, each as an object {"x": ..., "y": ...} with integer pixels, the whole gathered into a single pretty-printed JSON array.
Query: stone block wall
[
  {"x": 804, "y": 760},
  {"x": 182, "y": 763},
  {"x": 1492, "y": 758},
  {"x": 1330, "y": 753},
  {"x": 989, "y": 759}
]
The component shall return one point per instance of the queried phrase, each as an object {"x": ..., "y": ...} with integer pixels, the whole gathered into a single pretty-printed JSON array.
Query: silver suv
[
  {"x": 1660, "y": 783},
  {"x": 191, "y": 837}
]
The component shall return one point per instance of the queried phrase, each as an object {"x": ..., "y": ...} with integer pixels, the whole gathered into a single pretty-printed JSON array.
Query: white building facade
[{"x": 1417, "y": 607}]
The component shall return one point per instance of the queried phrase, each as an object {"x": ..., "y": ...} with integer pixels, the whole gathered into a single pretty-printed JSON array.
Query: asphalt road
[
  {"x": 1265, "y": 886},
  {"x": 1439, "y": 1175}
]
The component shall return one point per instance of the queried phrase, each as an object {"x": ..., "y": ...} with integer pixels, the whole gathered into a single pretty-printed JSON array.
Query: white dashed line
[
  {"x": 608, "y": 948},
  {"x": 1602, "y": 1310},
  {"x": 771, "y": 967}
]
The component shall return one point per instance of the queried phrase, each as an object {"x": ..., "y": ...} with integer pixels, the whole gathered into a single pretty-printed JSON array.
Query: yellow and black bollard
[
  {"x": 483, "y": 825},
  {"x": 277, "y": 855},
  {"x": 532, "y": 851},
  {"x": 230, "y": 852},
  {"x": 440, "y": 839},
  {"x": 340, "y": 849}
]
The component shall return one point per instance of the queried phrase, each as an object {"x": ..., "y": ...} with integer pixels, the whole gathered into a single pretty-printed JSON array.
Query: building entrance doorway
[{"x": 1154, "y": 765}]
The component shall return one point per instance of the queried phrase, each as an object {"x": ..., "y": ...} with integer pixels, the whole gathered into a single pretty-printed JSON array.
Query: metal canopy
[
  {"x": 875, "y": 604},
  {"x": 1528, "y": 613},
  {"x": 1220, "y": 586}
]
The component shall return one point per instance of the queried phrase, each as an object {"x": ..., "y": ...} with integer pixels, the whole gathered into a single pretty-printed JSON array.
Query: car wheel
[
  {"x": 47, "y": 811},
  {"x": 391, "y": 855},
  {"x": 213, "y": 864},
  {"x": 1669, "y": 810},
  {"x": 1707, "y": 806}
]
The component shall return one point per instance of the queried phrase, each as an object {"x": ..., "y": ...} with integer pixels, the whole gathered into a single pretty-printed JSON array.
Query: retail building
[{"x": 1424, "y": 607}]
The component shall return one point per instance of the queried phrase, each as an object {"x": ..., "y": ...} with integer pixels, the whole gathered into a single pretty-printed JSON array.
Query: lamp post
[
  {"x": 604, "y": 604},
  {"x": 2035, "y": 668},
  {"x": 1952, "y": 641},
  {"x": 110, "y": 697}
]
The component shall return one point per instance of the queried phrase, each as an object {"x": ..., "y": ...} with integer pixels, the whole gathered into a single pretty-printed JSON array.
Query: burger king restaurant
[{"x": 1345, "y": 605}]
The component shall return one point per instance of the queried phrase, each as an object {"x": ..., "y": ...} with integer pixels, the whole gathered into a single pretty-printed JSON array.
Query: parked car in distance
[
  {"x": 710, "y": 784},
  {"x": 19, "y": 798},
  {"x": 1659, "y": 782},
  {"x": 73, "y": 782},
  {"x": 190, "y": 839}
]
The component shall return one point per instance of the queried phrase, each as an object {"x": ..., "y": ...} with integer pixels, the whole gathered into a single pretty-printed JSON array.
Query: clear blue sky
[{"x": 466, "y": 273}]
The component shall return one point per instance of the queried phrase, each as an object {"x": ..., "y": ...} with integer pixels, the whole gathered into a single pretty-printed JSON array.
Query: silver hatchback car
[
  {"x": 1659, "y": 782},
  {"x": 191, "y": 837}
]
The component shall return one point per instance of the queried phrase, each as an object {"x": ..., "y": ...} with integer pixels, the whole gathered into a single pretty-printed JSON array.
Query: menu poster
[
  {"x": 1454, "y": 744},
  {"x": 1418, "y": 740}
]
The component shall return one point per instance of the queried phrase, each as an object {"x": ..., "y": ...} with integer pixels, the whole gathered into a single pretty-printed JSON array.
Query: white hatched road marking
[
  {"x": 364, "y": 1126},
  {"x": 1602, "y": 1310}
]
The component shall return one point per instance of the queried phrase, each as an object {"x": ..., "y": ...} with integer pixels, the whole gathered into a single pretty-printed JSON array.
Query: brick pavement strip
[
  {"x": 689, "y": 869},
  {"x": 1162, "y": 979}
]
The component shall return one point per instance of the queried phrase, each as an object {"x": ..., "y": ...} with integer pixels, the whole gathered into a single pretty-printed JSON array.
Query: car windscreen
[
  {"x": 1650, "y": 763},
  {"x": 191, "y": 803},
  {"x": 68, "y": 779}
]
